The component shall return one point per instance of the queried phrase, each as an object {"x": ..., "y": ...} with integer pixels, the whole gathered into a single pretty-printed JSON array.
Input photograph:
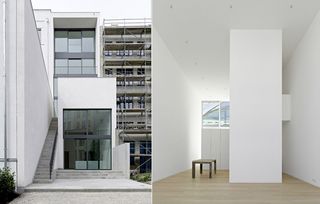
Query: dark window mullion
[{"x": 87, "y": 126}]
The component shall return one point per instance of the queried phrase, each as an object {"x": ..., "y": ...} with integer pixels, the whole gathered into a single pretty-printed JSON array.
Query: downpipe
[{"x": 4, "y": 5}]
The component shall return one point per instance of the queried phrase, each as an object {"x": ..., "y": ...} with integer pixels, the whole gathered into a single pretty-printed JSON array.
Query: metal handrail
[
  {"x": 53, "y": 153},
  {"x": 127, "y": 22}
]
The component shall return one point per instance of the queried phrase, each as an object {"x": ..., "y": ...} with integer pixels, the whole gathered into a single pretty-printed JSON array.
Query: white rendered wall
[
  {"x": 255, "y": 106},
  {"x": 286, "y": 107},
  {"x": 29, "y": 104},
  {"x": 44, "y": 21},
  {"x": 84, "y": 93},
  {"x": 121, "y": 159},
  {"x": 176, "y": 115},
  {"x": 37, "y": 93},
  {"x": 215, "y": 145},
  {"x": 301, "y": 135}
]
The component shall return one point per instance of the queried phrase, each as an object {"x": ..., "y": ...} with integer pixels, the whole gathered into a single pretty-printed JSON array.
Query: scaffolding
[{"x": 126, "y": 55}]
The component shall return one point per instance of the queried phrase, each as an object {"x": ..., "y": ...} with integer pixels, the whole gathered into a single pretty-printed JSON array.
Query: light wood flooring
[{"x": 181, "y": 188}]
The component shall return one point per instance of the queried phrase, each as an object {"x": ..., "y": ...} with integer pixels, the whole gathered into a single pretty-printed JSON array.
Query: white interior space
[{"x": 258, "y": 58}]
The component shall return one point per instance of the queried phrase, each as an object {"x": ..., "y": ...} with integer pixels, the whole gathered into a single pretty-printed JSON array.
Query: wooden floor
[{"x": 181, "y": 188}]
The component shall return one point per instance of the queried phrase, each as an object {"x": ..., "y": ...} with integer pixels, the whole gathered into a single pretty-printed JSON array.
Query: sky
[{"x": 108, "y": 8}]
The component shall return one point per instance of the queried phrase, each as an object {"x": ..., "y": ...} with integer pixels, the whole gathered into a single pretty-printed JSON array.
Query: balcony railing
[
  {"x": 75, "y": 70},
  {"x": 127, "y": 22}
]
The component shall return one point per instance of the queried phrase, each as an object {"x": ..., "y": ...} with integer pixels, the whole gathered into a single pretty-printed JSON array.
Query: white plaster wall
[
  {"x": 84, "y": 93},
  {"x": 176, "y": 114},
  {"x": 301, "y": 139},
  {"x": 29, "y": 105},
  {"x": 255, "y": 106},
  {"x": 286, "y": 107},
  {"x": 44, "y": 21},
  {"x": 11, "y": 63},
  {"x": 215, "y": 145},
  {"x": 121, "y": 159},
  {"x": 37, "y": 93}
]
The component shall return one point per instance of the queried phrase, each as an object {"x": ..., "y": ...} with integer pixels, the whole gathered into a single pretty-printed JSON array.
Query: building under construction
[{"x": 126, "y": 55}]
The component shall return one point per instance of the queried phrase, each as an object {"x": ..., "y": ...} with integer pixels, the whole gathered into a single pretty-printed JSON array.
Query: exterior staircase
[
  {"x": 42, "y": 174},
  {"x": 89, "y": 174}
]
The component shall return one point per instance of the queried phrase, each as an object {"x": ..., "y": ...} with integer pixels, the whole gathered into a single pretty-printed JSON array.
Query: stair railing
[{"x": 53, "y": 154}]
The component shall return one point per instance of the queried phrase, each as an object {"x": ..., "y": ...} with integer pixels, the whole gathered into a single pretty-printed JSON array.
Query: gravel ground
[{"x": 84, "y": 198}]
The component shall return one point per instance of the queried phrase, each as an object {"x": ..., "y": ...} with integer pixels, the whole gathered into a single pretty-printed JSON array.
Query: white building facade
[{"x": 50, "y": 69}]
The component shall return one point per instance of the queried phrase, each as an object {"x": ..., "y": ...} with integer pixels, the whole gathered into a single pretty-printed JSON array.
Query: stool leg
[
  {"x": 200, "y": 168},
  {"x": 193, "y": 170},
  {"x": 210, "y": 170},
  {"x": 215, "y": 167}
]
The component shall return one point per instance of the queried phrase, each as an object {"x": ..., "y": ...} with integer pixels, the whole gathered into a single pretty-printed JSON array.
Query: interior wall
[
  {"x": 215, "y": 145},
  {"x": 176, "y": 114},
  {"x": 255, "y": 106},
  {"x": 301, "y": 139}
]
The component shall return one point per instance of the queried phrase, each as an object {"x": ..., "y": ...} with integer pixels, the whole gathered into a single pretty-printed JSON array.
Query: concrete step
[
  {"x": 42, "y": 175},
  {"x": 42, "y": 168},
  {"x": 42, "y": 180},
  {"x": 89, "y": 174},
  {"x": 111, "y": 176}
]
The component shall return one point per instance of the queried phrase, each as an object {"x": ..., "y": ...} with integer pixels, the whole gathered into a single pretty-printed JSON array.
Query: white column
[{"x": 256, "y": 106}]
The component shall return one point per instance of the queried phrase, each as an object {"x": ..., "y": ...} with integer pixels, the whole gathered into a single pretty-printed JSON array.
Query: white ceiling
[{"x": 197, "y": 33}]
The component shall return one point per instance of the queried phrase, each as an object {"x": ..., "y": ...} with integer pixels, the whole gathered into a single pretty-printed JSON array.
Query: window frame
[
  {"x": 219, "y": 124},
  {"x": 107, "y": 136}
]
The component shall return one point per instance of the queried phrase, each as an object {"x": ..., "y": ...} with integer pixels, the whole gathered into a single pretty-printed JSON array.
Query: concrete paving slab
[
  {"x": 90, "y": 185},
  {"x": 83, "y": 198}
]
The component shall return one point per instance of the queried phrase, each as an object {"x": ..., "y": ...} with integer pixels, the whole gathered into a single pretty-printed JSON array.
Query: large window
[
  {"x": 87, "y": 139},
  {"x": 93, "y": 123},
  {"x": 75, "y": 52},
  {"x": 61, "y": 41},
  {"x": 88, "y": 41},
  {"x": 74, "y": 41},
  {"x": 215, "y": 114},
  {"x": 74, "y": 66}
]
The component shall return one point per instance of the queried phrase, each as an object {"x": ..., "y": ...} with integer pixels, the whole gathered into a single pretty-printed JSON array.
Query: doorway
[{"x": 87, "y": 139}]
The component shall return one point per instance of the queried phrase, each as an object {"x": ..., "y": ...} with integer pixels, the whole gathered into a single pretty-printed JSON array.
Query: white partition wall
[{"x": 255, "y": 106}]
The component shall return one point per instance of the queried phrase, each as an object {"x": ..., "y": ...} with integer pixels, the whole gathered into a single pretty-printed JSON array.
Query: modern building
[
  {"x": 58, "y": 115},
  {"x": 126, "y": 55}
]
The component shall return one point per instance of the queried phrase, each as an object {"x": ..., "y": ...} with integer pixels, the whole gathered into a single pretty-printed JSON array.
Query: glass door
[
  {"x": 87, "y": 139},
  {"x": 93, "y": 154}
]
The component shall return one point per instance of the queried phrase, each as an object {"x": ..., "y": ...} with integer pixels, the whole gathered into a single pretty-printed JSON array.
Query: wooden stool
[{"x": 204, "y": 161}]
